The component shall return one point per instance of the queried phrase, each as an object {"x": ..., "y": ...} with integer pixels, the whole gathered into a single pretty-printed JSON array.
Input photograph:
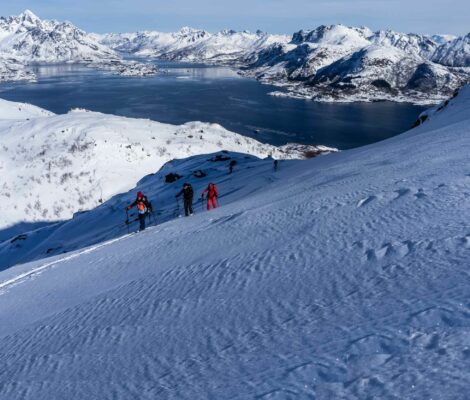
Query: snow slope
[
  {"x": 26, "y": 39},
  {"x": 25, "y": 243},
  {"x": 346, "y": 277},
  {"x": 55, "y": 165}
]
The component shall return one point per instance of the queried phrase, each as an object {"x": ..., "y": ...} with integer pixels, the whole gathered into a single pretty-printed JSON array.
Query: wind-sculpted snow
[
  {"x": 27, "y": 39},
  {"x": 342, "y": 277},
  {"x": 53, "y": 166}
]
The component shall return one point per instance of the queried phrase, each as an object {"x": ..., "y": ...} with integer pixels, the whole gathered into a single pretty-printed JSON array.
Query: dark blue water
[{"x": 186, "y": 92}]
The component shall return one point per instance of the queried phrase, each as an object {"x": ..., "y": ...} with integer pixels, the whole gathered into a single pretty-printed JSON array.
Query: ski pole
[
  {"x": 127, "y": 220},
  {"x": 177, "y": 207},
  {"x": 153, "y": 217}
]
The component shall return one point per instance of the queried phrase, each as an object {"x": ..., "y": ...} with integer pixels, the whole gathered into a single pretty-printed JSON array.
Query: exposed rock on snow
[
  {"x": 27, "y": 39},
  {"x": 13, "y": 70},
  {"x": 56, "y": 165},
  {"x": 454, "y": 53},
  {"x": 338, "y": 63}
]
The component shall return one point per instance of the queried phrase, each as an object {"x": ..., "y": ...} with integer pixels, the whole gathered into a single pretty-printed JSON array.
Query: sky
[{"x": 276, "y": 16}]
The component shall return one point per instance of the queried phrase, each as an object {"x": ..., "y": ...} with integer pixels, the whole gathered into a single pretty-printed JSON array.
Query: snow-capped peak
[
  {"x": 333, "y": 35},
  {"x": 28, "y": 15}
]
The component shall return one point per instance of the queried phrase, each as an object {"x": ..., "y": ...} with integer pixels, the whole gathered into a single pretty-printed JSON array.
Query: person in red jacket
[
  {"x": 212, "y": 194},
  {"x": 144, "y": 207}
]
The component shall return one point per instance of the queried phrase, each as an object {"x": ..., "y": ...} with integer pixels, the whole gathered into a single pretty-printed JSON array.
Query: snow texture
[{"x": 340, "y": 277}]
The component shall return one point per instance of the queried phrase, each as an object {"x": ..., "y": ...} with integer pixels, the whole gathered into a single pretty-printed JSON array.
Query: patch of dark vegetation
[
  {"x": 312, "y": 153},
  {"x": 170, "y": 178},
  {"x": 219, "y": 158},
  {"x": 18, "y": 238},
  {"x": 199, "y": 174},
  {"x": 381, "y": 84},
  {"x": 421, "y": 120}
]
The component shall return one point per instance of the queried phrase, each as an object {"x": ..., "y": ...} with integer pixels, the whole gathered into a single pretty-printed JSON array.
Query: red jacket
[{"x": 211, "y": 191}]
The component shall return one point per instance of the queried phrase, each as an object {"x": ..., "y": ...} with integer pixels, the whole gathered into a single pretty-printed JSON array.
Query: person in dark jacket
[
  {"x": 188, "y": 195},
  {"x": 144, "y": 207},
  {"x": 231, "y": 166}
]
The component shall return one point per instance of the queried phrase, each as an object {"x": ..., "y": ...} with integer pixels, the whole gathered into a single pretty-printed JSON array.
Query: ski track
[{"x": 29, "y": 274}]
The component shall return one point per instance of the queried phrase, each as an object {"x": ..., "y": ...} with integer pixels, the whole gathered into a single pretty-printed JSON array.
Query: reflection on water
[{"x": 186, "y": 92}]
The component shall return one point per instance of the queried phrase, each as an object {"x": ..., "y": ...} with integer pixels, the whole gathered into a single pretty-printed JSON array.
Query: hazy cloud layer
[{"x": 421, "y": 16}]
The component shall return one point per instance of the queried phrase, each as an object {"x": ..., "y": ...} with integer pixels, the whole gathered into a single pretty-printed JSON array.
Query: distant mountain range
[
  {"x": 190, "y": 44},
  {"x": 27, "y": 39},
  {"x": 329, "y": 63}
]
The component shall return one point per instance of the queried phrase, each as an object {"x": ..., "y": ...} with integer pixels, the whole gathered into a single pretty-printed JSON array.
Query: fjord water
[{"x": 188, "y": 92}]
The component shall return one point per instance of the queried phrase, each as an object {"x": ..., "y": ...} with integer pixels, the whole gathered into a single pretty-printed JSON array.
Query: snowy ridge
[
  {"x": 56, "y": 165},
  {"x": 454, "y": 53},
  {"x": 26, "y": 39},
  {"x": 345, "y": 277}
]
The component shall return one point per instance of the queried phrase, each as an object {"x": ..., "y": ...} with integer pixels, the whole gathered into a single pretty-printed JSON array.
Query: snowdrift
[{"x": 346, "y": 277}]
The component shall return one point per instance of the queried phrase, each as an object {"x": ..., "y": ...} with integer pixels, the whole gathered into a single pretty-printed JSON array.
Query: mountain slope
[
  {"x": 56, "y": 165},
  {"x": 346, "y": 278},
  {"x": 455, "y": 53},
  {"x": 338, "y": 63},
  {"x": 26, "y": 39}
]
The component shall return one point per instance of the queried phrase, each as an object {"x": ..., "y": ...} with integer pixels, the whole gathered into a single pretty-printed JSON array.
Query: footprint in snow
[
  {"x": 466, "y": 241},
  {"x": 365, "y": 201},
  {"x": 420, "y": 194},
  {"x": 402, "y": 192},
  {"x": 399, "y": 250}
]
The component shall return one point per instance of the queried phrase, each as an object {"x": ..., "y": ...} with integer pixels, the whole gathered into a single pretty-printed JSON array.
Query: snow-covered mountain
[
  {"x": 454, "y": 53},
  {"x": 13, "y": 70},
  {"x": 56, "y": 165},
  {"x": 329, "y": 63},
  {"x": 26, "y": 39},
  {"x": 339, "y": 63},
  {"x": 342, "y": 277},
  {"x": 194, "y": 45}
]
